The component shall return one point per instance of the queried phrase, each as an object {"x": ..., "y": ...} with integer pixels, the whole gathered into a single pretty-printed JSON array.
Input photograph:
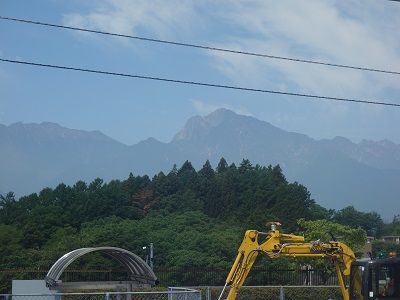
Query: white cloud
[
  {"x": 204, "y": 108},
  {"x": 318, "y": 30},
  {"x": 354, "y": 32},
  {"x": 157, "y": 17}
]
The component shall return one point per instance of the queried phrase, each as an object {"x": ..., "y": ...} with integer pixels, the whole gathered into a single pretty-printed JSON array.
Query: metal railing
[
  {"x": 183, "y": 276},
  {"x": 275, "y": 292},
  {"x": 171, "y": 294},
  {"x": 198, "y": 293}
]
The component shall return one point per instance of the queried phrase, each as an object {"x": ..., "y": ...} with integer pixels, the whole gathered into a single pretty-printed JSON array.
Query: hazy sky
[{"x": 356, "y": 32}]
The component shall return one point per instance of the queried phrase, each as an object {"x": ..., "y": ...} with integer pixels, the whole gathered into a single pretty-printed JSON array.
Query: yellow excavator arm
[{"x": 275, "y": 245}]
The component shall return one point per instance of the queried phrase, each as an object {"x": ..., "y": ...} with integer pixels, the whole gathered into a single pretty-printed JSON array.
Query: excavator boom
[{"x": 275, "y": 244}]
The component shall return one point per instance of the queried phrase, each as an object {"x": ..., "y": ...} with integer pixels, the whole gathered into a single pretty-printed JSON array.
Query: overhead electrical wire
[
  {"x": 298, "y": 60},
  {"x": 319, "y": 97}
]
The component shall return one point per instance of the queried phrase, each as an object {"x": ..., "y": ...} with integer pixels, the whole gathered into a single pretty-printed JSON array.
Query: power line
[
  {"x": 198, "y": 83},
  {"x": 204, "y": 47}
]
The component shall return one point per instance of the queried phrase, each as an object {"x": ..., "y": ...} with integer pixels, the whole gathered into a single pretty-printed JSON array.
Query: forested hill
[
  {"x": 337, "y": 171},
  {"x": 194, "y": 218}
]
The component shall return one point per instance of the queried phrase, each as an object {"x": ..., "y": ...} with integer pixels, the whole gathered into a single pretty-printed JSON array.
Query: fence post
[
  {"x": 129, "y": 289},
  {"x": 169, "y": 293},
  {"x": 281, "y": 294},
  {"x": 208, "y": 297},
  {"x": 107, "y": 296}
]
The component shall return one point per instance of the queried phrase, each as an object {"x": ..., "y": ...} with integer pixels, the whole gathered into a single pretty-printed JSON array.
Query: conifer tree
[{"x": 222, "y": 165}]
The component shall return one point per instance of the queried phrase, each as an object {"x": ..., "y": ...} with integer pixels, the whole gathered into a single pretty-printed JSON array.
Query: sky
[{"x": 354, "y": 32}]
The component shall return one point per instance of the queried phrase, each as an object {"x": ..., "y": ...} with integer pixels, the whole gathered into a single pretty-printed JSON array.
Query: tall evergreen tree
[
  {"x": 222, "y": 165},
  {"x": 207, "y": 171},
  {"x": 245, "y": 165}
]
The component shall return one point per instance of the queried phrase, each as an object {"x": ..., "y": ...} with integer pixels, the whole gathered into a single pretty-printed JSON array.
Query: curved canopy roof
[{"x": 138, "y": 269}]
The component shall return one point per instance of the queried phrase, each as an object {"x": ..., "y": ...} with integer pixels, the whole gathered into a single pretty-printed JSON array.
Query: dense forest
[{"x": 196, "y": 219}]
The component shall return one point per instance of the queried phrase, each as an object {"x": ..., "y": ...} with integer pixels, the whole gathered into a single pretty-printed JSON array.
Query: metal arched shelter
[{"x": 138, "y": 270}]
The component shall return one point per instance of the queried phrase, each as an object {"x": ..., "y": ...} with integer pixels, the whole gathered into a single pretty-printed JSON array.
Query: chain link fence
[
  {"x": 183, "y": 276},
  {"x": 275, "y": 292},
  {"x": 171, "y": 294},
  {"x": 200, "y": 293}
]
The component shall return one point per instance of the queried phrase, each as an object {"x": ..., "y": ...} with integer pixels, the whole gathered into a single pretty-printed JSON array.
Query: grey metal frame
[{"x": 138, "y": 269}]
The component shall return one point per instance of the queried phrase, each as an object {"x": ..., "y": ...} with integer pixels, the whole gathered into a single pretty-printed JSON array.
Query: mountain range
[{"x": 337, "y": 172}]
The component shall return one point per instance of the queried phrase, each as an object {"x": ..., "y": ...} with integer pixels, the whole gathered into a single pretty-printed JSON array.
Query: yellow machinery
[{"x": 364, "y": 283}]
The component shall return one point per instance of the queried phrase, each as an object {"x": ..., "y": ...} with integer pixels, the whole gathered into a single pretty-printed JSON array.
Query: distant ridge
[{"x": 337, "y": 171}]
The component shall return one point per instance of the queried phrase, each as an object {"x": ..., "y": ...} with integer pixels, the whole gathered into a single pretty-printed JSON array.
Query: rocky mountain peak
[
  {"x": 198, "y": 126},
  {"x": 334, "y": 169},
  {"x": 220, "y": 115},
  {"x": 191, "y": 129}
]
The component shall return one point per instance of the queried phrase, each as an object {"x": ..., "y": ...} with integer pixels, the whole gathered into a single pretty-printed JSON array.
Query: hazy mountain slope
[
  {"x": 382, "y": 154},
  {"x": 337, "y": 181},
  {"x": 338, "y": 172},
  {"x": 224, "y": 133},
  {"x": 33, "y": 156}
]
